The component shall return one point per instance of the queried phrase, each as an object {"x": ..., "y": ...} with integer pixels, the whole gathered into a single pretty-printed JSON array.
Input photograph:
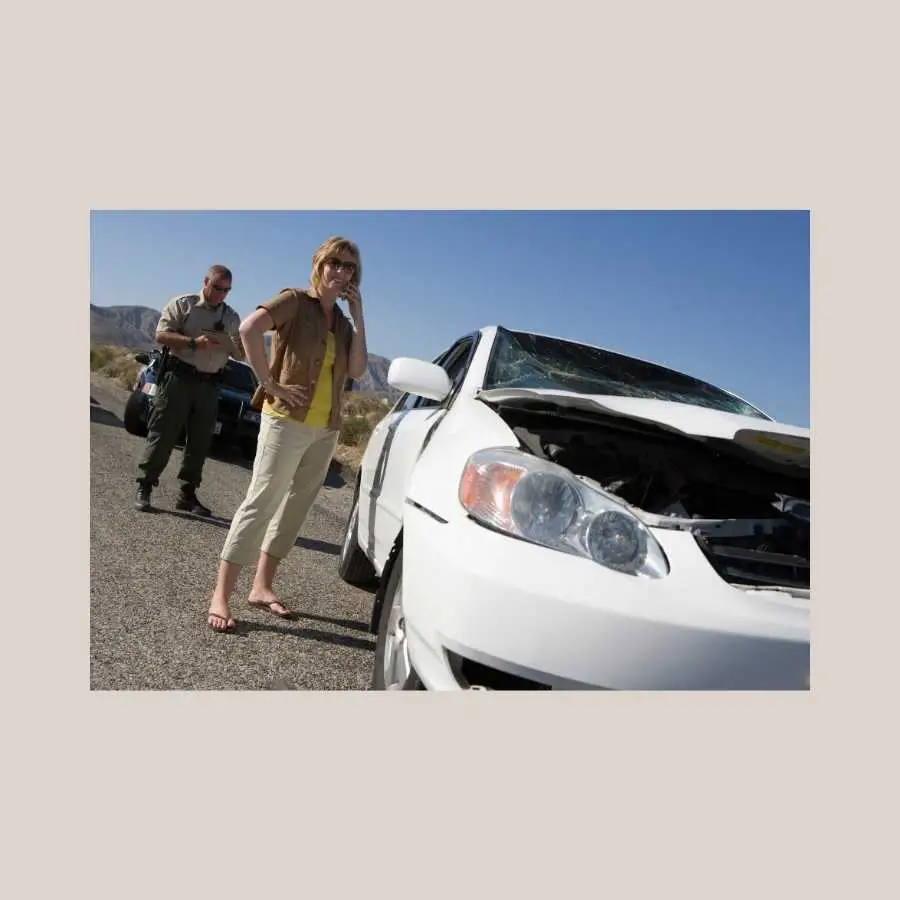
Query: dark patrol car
[{"x": 237, "y": 423}]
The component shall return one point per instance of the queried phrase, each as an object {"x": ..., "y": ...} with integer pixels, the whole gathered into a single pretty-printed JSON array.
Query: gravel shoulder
[{"x": 152, "y": 575}]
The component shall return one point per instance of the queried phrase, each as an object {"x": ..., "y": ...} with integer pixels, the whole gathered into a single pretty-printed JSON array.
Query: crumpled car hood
[{"x": 784, "y": 444}]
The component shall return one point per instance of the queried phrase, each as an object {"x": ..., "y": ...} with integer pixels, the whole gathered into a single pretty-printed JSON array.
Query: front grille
[{"x": 755, "y": 567}]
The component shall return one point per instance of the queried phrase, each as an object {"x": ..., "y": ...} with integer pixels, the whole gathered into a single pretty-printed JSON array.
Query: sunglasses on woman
[{"x": 341, "y": 265}]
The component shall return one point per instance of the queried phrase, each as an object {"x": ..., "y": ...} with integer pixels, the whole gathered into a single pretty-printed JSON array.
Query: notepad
[{"x": 222, "y": 338}]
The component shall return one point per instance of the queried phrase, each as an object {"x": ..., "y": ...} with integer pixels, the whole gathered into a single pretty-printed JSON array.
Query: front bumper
[{"x": 565, "y": 622}]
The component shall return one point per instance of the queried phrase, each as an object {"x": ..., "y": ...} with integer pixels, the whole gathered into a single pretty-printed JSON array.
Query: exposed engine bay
[{"x": 749, "y": 515}]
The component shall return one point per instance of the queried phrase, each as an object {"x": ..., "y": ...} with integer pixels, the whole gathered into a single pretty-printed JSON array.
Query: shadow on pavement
[
  {"x": 103, "y": 416},
  {"x": 243, "y": 627},
  {"x": 318, "y": 546},
  {"x": 343, "y": 623},
  {"x": 215, "y": 520}
]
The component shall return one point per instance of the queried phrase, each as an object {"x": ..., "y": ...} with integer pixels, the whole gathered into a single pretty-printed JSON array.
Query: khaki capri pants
[{"x": 291, "y": 464}]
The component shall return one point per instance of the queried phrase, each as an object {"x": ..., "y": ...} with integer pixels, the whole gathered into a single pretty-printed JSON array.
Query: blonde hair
[{"x": 332, "y": 247}]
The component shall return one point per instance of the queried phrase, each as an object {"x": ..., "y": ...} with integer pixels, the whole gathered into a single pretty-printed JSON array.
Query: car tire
[
  {"x": 393, "y": 669},
  {"x": 353, "y": 564},
  {"x": 135, "y": 416}
]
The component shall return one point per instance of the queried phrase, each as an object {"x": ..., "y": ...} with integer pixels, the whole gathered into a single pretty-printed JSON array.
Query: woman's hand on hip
[{"x": 292, "y": 395}]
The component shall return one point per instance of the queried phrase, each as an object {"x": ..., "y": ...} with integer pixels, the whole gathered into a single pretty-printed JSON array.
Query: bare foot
[
  {"x": 266, "y": 599},
  {"x": 219, "y": 617}
]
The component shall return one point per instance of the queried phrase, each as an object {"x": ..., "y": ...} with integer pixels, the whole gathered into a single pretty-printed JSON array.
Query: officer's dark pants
[{"x": 185, "y": 402}]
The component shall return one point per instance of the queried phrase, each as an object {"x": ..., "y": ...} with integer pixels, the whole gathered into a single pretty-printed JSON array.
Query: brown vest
[{"x": 298, "y": 350}]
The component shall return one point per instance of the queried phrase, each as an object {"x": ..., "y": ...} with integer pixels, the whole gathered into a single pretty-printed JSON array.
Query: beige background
[{"x": 674, "y": 105}]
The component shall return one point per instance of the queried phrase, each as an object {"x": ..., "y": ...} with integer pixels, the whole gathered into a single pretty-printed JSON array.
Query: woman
[{"x": 315, "y": 350}]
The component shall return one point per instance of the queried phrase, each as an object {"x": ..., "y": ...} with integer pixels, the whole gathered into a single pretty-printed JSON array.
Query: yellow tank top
[{"x": 320, "y": 408}]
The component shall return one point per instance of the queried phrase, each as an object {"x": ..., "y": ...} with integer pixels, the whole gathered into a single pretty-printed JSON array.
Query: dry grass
[
  {"x": 349, "y": 457},
  {"x": 117, "y": 363},
  {"x": 362, "y": 412}
]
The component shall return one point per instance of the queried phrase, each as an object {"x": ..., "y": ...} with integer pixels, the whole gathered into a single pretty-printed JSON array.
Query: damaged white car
[{"x": 541, "y": 514}]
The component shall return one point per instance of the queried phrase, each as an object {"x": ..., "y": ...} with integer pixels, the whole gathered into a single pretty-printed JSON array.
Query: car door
[
  {"x": 371, "y": 469},
  {"x": 400, "y": 443}
]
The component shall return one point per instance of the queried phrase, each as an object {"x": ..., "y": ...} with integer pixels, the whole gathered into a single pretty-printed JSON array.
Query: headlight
[
  {"x": 544, "y": 503},
  {"x": 617, "y": 540},
  {"x": 543, "y": 506}
]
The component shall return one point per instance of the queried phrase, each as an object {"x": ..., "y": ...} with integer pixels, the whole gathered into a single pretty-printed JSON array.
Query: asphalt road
[{"x": 152, "y": 575}]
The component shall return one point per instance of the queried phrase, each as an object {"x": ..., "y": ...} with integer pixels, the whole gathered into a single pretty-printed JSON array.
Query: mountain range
[{"x": 134, "y": 327}]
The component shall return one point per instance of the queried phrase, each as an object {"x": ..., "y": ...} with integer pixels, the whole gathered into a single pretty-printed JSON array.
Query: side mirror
[
  {"x": 142, "y": 358},
  {"x": 420, "y": 378}
]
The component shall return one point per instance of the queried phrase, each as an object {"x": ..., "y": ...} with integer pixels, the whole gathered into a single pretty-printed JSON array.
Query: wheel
[
  {"x": 353, "y": 565},
  {"x": 393, "y": 670},
  {"x": 135, "y": 415},
  {"x": 248, "y": 450}
]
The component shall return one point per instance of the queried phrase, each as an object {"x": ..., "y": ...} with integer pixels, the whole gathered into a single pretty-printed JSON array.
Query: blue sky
[{"x": 723, "y": 296}]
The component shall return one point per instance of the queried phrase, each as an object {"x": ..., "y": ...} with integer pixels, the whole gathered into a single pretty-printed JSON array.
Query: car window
[
  {"x": 407, "y": 401},
  {"x": 456, "y": 367}
]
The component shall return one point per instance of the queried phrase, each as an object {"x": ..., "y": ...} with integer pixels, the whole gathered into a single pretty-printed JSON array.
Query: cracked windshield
[{"x": 530, "y": 361}]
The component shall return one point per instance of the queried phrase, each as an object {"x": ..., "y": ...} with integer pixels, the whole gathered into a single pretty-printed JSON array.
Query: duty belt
[{"x": 182, "y": 368}]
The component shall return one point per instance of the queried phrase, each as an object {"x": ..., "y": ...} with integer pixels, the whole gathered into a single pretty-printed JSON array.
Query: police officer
[{"x": 201, "y": 332}]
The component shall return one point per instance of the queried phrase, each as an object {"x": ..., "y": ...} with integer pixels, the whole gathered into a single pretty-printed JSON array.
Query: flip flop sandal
[{"x": 267, "y": 607}]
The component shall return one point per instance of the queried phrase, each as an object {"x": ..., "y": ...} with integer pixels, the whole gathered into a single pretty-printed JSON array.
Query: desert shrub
[
  {"x": 359, "y": 404},
  {"x": 124, "y": 370},
  {"x": 117, "y": 363},
  {"x": 362, "y": 412},
  {"x": 100, "y": 356},
  {"x": 355, "y": 430}
]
